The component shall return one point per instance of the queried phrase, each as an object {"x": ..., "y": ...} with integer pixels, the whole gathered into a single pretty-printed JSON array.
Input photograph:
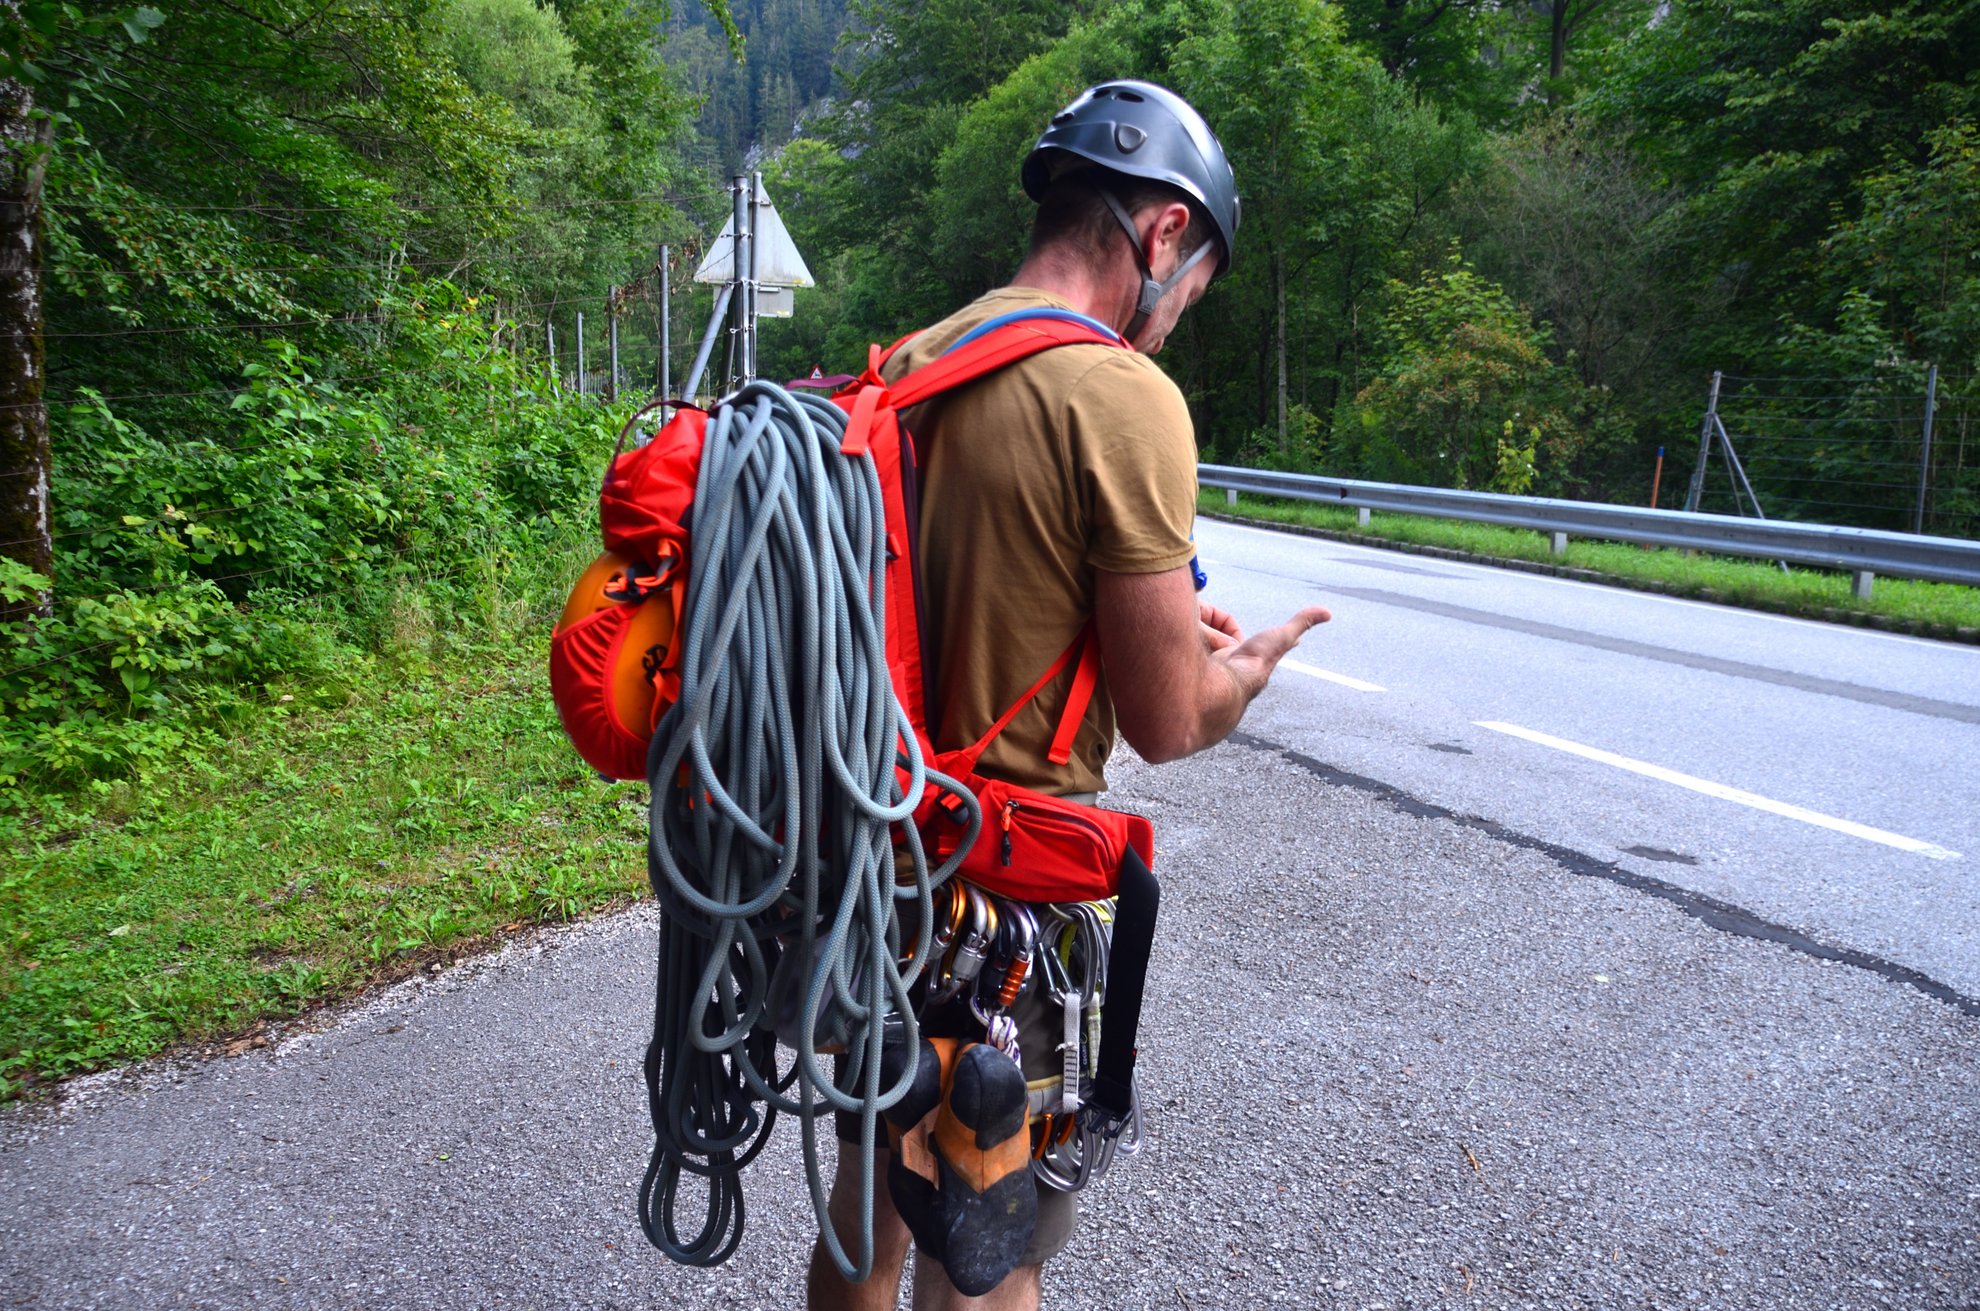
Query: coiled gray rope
[{"x": 775, "y": 799}]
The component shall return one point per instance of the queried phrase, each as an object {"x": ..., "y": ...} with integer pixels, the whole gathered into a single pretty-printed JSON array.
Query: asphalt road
[{"x": 1442, "y": 1014}]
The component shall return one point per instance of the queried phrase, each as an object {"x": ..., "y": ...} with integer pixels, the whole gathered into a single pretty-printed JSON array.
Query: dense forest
[{"x": 307, "y": 275}]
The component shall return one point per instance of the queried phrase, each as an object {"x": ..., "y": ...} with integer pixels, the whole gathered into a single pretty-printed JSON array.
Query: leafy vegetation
[{"x": 1644, "y": 194}]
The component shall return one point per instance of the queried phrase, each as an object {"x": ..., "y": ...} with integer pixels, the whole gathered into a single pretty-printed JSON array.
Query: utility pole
[
  {"x": 24, "y": 455},
  {"x": 580, "y": 352},
  {"x": 550, "y": 344}
]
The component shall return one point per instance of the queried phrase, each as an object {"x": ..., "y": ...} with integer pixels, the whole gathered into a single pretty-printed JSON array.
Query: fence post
[
  {"x": 580, "y": 352},
  {"x": 666, "y": 327},
  {"x": 612, "y": 345},
  {"x": 1925, "y": 454},
  {"x": 1704, "y": 445},
  {"x": 550, "y": 343}
]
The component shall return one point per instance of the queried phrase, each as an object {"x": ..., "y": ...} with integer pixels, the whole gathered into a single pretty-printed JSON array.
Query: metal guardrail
[{"x": 1863, "y": 552}]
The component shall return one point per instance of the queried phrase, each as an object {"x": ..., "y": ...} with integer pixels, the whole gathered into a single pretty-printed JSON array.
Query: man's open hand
[{"x": 1251, "y": 660}]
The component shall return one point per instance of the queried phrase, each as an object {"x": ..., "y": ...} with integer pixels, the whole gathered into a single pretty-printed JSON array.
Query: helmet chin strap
[{"x": 1152, "y": 291}]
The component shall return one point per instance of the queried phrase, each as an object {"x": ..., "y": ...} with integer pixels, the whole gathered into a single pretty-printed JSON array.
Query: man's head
[{"x": 1131, "y": 159}]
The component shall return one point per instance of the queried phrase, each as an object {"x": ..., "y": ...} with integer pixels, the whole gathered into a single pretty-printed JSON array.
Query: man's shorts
[{"x": 1038, "y": 1043}]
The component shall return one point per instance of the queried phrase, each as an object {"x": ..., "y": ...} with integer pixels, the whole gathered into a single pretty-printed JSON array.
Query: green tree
[
  {"x": 1765, "y": 117},
  {"x": 1465, "y": 394},
  {"x": 981, "y": 217},
  {"x": 1445, "y": 50},
  {"x": 1914, "y": 247},
  {"x": 911, "y": 69},
  {"x": 1343, "y": 175}
]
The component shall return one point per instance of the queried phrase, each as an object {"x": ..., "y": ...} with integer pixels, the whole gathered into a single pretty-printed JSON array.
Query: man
[{"x": 1061, "y": 491}]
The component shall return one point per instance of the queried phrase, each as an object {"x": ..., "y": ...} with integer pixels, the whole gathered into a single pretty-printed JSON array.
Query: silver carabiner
[{"x": 959, "y": 968}]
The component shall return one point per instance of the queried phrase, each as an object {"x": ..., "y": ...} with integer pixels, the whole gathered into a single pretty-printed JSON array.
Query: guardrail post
[
  {"x": 1859, "y": 584},
  {"x": 1361, "y": 517},
  {"x": 1230, "y": 496},
  {"x": 1558, "y": 544}
]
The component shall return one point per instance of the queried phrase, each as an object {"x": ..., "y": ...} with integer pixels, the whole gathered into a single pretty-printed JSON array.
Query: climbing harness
[{"x": 750, "y": 644}]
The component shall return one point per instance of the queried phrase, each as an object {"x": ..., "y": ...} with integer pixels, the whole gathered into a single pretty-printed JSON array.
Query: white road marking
[
  {"x": 1725, "y": 793},
  {"x": 1332, "y": 677}
]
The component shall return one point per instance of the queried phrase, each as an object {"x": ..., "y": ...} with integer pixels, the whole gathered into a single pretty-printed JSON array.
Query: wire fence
[
  {"x": 1897, "y": 451},
  {"x": 572, "y": 342}
]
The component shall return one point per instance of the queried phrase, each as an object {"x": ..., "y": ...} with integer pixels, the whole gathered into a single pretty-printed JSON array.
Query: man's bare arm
[{"x": 1181, "y": 678}]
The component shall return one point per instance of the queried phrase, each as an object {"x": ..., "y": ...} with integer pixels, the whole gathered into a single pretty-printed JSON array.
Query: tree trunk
[
  {"x": 1557, "y": 54},
  {"x": 24, "y": 458},
  {"x": 1279, "y": 289}
]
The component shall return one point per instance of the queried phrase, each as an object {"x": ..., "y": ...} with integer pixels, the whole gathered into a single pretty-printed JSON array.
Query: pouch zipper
[{"x": 1049, "y": 817}]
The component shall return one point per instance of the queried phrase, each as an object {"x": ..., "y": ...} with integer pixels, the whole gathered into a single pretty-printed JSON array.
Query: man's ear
[{"x": 1170, "y": 221}]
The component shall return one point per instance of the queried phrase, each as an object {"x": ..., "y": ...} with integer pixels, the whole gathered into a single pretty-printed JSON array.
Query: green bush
[{"x": 213, "y": 552}]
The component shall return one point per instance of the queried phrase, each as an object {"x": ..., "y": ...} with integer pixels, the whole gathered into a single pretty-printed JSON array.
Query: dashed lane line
[
  {"x": 1312, "y": 671},
  {"x": 1725, "y": 793}
]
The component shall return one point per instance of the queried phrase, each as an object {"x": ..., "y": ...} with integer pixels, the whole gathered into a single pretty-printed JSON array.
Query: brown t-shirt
[{"x": 1079, "y": 458}]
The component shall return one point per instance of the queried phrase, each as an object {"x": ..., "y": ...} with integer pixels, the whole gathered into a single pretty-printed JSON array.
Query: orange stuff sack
[
  {"x": 613, "y": 668},
  {"x": 615, "y": 654}
]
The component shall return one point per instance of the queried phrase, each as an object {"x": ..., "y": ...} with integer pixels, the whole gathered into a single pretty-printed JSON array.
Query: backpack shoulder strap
[
  {"x": 986, "y": 348},
  {"x": 1003, "y": 340},
  {"x": 1085, "y": 650}
]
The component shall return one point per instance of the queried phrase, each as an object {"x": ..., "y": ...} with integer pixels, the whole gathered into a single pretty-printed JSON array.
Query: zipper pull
[{"x": 1010, "y": 809}]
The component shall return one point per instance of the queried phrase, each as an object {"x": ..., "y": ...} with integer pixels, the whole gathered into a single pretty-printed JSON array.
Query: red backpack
[{"x": 614, "y": 660}]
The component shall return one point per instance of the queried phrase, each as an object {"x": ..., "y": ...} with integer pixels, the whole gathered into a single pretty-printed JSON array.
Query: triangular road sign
[{"x": 778, "y": 263}]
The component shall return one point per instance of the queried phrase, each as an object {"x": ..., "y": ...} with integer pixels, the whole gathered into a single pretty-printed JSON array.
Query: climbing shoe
[{"x": 961, "y": 1169}]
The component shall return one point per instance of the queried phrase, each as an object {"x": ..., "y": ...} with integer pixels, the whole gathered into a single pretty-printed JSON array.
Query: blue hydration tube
[{"x": 1034, "y": 312}]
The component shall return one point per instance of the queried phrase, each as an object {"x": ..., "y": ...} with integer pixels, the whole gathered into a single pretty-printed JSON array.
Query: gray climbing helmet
[{"x": 1144, "y": 131}]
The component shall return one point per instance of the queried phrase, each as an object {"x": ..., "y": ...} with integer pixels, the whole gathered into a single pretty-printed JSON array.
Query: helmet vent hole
[{"x": 1134, "y": 97}]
